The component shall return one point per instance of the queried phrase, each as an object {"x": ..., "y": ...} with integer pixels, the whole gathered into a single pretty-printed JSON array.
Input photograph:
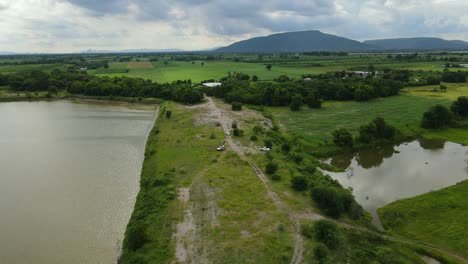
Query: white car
[
  {"x": 264, "y": 149},
  {"x": 228, "y": 133},
  {"x": 221, "y": 148}
]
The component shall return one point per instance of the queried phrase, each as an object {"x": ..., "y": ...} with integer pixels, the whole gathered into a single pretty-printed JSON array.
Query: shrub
[
  {"x": 234, "y": 125},
  {"x": 168, "y": 114},
  {"x": 238, "y": 132},
  {"x": 376, "y": 130},
  {"x": 253, "y": 138},
  {"x": 286, "y": 147},
  {"x": 296, "y": 102},
  {"x": 307, "y": 230},
  {"x": 328, "y": 233},
  {"x": 236, "y": 106},
  {"x": 299, "y": 183},
  {"x": 136, "y": 238},
  {"x": 437, "y": 116},
  {"x": 343, "y": 138},
  {"x": 276, "y": 177},
  {"x": 271, "y": 168},
  {"x": 268, "y": 143},
  {"x": 321, "y": 254},
  {"x": 460, "y": 106},
  {"x": 332, "y": 201}
]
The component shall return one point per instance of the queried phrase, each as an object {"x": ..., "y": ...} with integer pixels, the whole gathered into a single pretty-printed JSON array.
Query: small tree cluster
[
  {"x": 437, "y": 116},
  {"x": 378, "y": 129},
  {"x": 343, "y": 138},
  {"x": 332, "y": 201}
]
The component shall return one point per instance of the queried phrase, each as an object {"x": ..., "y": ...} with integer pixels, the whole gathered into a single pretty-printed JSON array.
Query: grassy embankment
[
  {"x": 439, "y": 217},
  {"x": 404, "y": 112},
  {"x": 233, "y": 219}
]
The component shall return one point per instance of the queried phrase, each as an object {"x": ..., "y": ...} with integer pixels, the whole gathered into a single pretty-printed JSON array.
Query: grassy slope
[
  {"x": 439, "y": 217},
  {"x": 404, "y": 112},
  {"x": 187, "y": 153}
]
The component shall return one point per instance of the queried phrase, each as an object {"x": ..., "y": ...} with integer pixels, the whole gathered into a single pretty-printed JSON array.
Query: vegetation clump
[{"x": 343, "y": 138}]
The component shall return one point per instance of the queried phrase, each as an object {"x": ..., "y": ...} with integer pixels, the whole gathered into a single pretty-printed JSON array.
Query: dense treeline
[
  {"x": 237, "y": 88},
  {"x": 440, "y": 116},
  {"x": 81, "y": 83}
]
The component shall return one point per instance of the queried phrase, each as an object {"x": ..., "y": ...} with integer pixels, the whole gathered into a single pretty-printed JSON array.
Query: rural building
[{"x": 212, "y": 84}]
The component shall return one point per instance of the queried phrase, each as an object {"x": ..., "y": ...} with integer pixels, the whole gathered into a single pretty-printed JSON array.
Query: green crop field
[
  {"x": 404, "y": 112},
  {"x": 439, "y": 217}
]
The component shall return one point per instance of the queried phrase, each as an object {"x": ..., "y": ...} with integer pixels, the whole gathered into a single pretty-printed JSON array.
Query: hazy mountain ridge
[{"x": 419, "y": 43}]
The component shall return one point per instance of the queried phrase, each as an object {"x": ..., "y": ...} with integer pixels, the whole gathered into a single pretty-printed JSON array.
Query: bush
[
  {"x": 136, "y": 238},
  {"x": 276, "y": 177},
  {"x": 286, "y": 147},
  {"x": 234, "y": 125},
  {"x": 236, "y": 106},
  {"x": 437, "y": 116},
  {"x": 332, "y": 201},
  {"x": 376, "y": 130},
  {"x": 253, "y": 138},
  {"x": 460, "y": 106},
  {"x": 343, "y": 138},
  {"x": 168, "y": 114},
  {"x": 321, "y": 254},
  {"x": 328, "y": 233},
  {"x": 296, "y": 103},
  {"x": 299, "y": 183},
  {"x": 307, "y": 230},
  {"x": 268, "y": 143},
  {"x": 238, "y": 132},
  {"x": 271, "y": 168}
]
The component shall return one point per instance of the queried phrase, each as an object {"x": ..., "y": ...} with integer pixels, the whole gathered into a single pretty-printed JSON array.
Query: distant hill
[
  {"x": 301, "y": 41},
  {"x": 91, "y": 51},
  {"x": 426, "y": 43}
]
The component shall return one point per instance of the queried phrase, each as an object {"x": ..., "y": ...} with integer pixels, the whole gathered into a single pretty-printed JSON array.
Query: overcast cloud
[{"x": 76, "y": 25}]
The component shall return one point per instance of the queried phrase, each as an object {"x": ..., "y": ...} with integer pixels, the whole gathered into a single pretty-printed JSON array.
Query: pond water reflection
[{"x": 388, "y": 173}]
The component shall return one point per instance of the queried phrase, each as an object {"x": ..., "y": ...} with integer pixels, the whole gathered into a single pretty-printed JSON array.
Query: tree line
[{"x": 81, "y": 83}]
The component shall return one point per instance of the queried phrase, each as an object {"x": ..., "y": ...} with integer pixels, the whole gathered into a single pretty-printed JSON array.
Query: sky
[{"x": 58, "y": 26}]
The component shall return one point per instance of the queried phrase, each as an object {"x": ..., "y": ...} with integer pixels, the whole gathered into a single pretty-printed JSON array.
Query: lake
[
  {"x": 388, "y": 173},
  {"x": 69, "y": 176}
]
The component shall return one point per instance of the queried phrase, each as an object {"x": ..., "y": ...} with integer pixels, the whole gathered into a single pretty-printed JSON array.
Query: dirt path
[{"x": 226, "y": 122}]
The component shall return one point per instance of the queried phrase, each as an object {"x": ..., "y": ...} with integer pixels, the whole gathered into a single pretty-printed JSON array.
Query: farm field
[
  {"x": 184, "y": 70},
  {"x": 403, "y": 111}
]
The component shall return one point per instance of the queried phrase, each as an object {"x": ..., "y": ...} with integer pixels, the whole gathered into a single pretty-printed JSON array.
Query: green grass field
[
  {"x": 235, "y": 220},
  {"x": 404, "y": 112},
  {"x": 176, "y": 70},
  {"x": 438, "y": 217}
]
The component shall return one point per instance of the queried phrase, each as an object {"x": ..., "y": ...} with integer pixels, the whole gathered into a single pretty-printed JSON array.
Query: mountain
[
  {"x": 7, "y": 53},
  {"x": 426, "y": 43},
  {"x": 91, "y": 51},
  {"x": 301, "y": 41}
]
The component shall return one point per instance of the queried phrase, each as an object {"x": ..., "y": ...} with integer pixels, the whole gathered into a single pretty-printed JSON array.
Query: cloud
[{"x": 73, "y": 25}]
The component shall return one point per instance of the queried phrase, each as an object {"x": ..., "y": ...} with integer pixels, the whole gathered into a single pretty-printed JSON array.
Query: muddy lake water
[
  {"x": 388, "y": 173},
  {"x": 69, "y": 176}
]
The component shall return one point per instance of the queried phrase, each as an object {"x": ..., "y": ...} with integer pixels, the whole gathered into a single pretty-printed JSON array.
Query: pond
[
  {"x": 69, "y": 176},
  {"x": 388, "y": 173}
]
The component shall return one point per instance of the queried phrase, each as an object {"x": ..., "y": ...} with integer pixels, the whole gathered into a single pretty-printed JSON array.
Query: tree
[
  {"x": 255, "y": 78},
  {"x": 268, "y": 67},
  {"x": 332, "y": 201},
  {"x": 312, "y": 101},
  {"x": 321, "y": 254},
  {"x": 460, "y": 106},
  {"x": 271, "y": 168},
  {"x": 236, "y": 106},
  {"x": 296, "y": 102},
  {"x": 299, "y": 183},
  {"x": 343, "y": 138},
  {"x": 328, "y": 233},
  {"x": 168, "y": 114},
  {"x": 437, "y": 116},
  {"x": 443, "y": 88},
  {"x": 136, "y": 238},
  {"x": 268, "y": 143}
]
